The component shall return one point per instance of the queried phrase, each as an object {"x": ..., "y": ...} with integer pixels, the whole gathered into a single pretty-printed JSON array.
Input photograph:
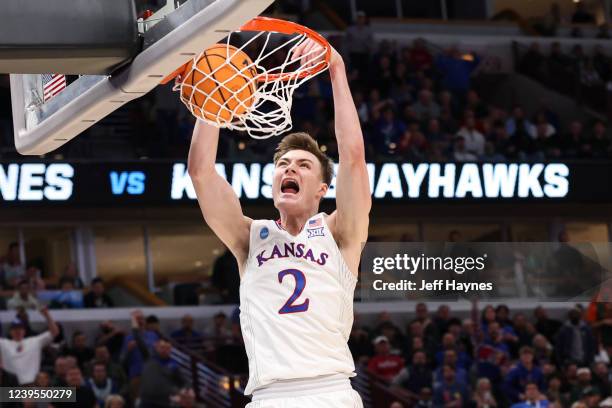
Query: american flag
[
  {"x": 52, "y": 85},
  {"x": 315, "y": 223}
]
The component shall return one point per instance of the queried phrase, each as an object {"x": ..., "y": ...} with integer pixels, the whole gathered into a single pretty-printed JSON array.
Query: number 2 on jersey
[{"x": 300, "y": 283}]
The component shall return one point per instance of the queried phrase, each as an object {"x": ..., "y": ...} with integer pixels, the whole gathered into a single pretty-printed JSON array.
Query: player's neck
[{"x": 293, "y": 223}]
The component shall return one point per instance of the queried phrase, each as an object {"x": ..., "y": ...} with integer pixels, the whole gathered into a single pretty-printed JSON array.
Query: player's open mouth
[{"x": 290, "y": 186}]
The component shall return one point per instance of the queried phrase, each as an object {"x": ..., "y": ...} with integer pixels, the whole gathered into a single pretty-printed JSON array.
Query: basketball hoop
[{"x": 261, "y": 89}]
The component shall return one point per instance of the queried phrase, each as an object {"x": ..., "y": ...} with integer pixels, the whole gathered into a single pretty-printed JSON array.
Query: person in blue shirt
[
  {"x": 450, "y": 393},
  {"x": 131, "y": 354},
  {"x": 187, "y": 335},
  {"x": 449, "y": 342},
  {"x": 533, "y": 398},
  {"x": 451, "y": 359},
  {"x": 525, "y": 372},
  {"x": 456, "y": 70}
]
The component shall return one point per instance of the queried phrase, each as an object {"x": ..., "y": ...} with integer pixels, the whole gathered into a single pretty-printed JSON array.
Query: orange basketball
[{"x": 220, "y": 88}]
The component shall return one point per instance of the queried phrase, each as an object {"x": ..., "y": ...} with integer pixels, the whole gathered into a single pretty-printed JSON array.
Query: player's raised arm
[
  {"x": 353, "y": 199},
  {"x": 220, "y": 205}
]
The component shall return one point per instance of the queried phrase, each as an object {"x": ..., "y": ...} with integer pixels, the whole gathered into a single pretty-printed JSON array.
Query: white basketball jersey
[{"x": 296, "y": 304}]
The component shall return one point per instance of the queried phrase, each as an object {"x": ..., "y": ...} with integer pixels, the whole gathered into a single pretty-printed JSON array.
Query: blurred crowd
[
  {"x": 415, "y": 102},
  {"x": 495, "y": 358},
  {"x": 22, "y": 286},
  {"x": 492, "y": 357},
  {"x": 113, "y": 367}
]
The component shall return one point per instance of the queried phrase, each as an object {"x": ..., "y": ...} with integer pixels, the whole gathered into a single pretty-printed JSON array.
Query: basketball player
[{"x": 298, "y": 273}]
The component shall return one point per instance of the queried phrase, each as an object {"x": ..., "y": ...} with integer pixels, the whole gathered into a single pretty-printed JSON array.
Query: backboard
[{"x": 172, "y": 36}]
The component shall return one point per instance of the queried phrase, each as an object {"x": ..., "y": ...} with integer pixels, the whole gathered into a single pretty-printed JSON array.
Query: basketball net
[{"x": 277, "y": 75}]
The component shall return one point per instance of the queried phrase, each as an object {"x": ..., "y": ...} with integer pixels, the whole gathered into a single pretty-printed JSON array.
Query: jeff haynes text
[{"x": 435, "y": 285}]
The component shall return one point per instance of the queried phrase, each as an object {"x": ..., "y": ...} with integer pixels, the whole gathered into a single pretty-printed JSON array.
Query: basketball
[{"x": 220, "y": 87}]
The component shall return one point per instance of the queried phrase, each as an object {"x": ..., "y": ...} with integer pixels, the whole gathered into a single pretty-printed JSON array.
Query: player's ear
[{"x": 322, "y": 191}]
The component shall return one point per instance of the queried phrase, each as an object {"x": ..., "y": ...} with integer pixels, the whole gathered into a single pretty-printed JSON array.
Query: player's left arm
[{"x": 349, "y": 223}]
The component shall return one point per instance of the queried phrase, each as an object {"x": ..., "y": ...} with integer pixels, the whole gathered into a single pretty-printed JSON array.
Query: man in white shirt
[
  {"x": 20, "y": 355},
  {"x": 474, "y": 140}
]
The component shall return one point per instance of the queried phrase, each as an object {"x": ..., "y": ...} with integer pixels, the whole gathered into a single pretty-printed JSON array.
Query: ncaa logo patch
[
  {"x": 315, "y": 232},
  {"x": 263, "y": 234}
]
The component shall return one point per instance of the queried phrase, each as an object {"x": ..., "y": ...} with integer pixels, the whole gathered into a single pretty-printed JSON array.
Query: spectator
[
  {"x": 79, "y": 349},
  {"x": 358, "y": 38},
  {"x": 388, "y": 130},
  {"x": 449, "y": 342},
  {"x": 542, "y": 126},
  {"x": 475, "y": 104},
  {"x": 100, "y": 384},
  {"x": 483, "y": 395},
  {"x": 23, "y": 297},
  {"x": 599, "y": 141},
  {"x": 114, "y": 401},
  {"x": 533, "y": 398},
  {"x": 186, "y": 335},
  {"x": 554, "y": 391},
  {"x": 523, "y": 373},
  {"x": 581, "y": 15},
  {"x": 71, "y": 273},
  {"x": 21, "y": 356},
  {"x": 226, "y": 278},
  {"x": 7, "y": 379},
  {"x": 220, "y": 332},
  {"x": 434, "y": 133},
  {"x": 474, "y": 140},
  {"x": 132, "y": 355},
  {"x": 543, "y": 350},
  {"x": 84, "y": 395},
  {"x": 533, "y": 63},
  {"x": 359, "y": 341},
  {"x": 590, "y": 397},
  {"x": 412, "y": 379},
  {"x": 420, "y": 59},
  {"x": 32, "y": 276},
  {"x": 161, "y": 377},
  {"x": 67, "y": 298},
  {"x": 11, "y": 266},
  {"x": 426, "y": 108},
  {"x": 384, "y": 364},
  {"x": 575, "y": 341},
  {"x": 545, "y": 325},
  {"x": 460, "y": 152},
  {"x": 601, "y": 63},
  {"x": 517, "y": 123},
  {"x": 456, "y": 70},
  {"x": 451, "y": 359},
  {"x": 490, "y": 155},
  {"x": 412, "y": 144},
  {"x": 112, "y": 337},
  {"x": 97, "y": 296},
  {"x": 113, "y": 369},
  {"x": 601, "y": 379},
  {"x": 60, "y": 368},
  {"x": 450, "y": 393},
  {"x": 583, "y": 375},
  {"x": 573, "y": 142}
]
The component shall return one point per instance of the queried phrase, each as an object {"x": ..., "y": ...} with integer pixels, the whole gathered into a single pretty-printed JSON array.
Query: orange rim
[{"x": 288, "y": 27}]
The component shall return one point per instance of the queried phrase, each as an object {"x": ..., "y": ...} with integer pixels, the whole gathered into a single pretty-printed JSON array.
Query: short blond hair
[{"x": 303, "y": 141}]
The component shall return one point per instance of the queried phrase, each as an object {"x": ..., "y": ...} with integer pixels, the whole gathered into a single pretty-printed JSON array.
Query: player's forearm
[
  {"x": 203, "y": 150},
  {"x": 347, "y": 126}
]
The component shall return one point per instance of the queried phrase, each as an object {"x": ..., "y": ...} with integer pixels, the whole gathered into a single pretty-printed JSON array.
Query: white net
[{"x": 251, "y": 94}]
